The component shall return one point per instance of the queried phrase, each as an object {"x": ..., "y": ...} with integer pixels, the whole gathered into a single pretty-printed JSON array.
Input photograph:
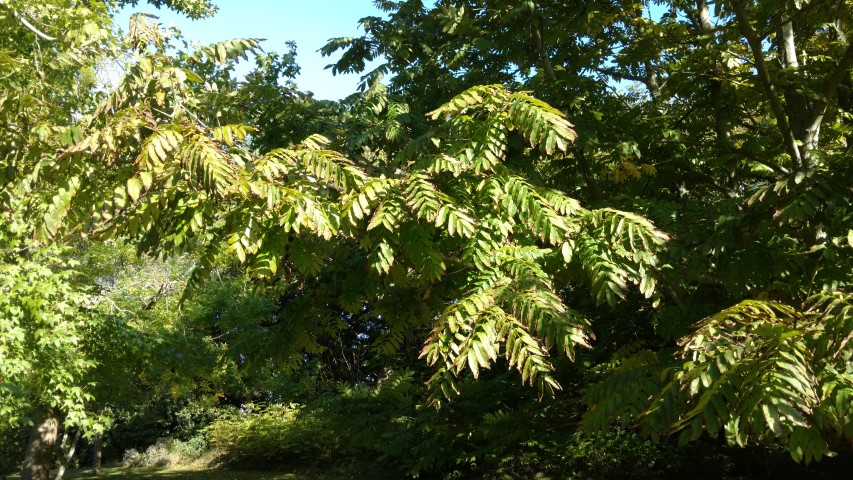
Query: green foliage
[
  {"x": 386, "y": 425},
  {"x": 194, "y": 9},
  {"x": 191, "y": 183},
  {"x": 165, "y": 453},
  {"x": 785, "y": 372},
  {"x": 269, "y": 436},
  {"x": 43, "y": 321},
  {"x": 12, "y": 447},
  {"x": 452, "y": 212}
]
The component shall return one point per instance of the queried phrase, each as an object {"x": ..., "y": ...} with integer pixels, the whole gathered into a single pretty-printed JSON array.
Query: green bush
[
  {"x": 390, "y": 425},
  {"x": 161, "y": 417},
  {"x": 166, "y": 452},
  {"x": 349, "y": 423},
  {"x": 266, "y": 436},
  {"x": 12, "y": 445},
  {"x": 615, "y": 454}
]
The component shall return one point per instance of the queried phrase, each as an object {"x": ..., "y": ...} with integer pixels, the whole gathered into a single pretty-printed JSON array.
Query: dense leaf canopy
[{"x": 647, "y": 205}]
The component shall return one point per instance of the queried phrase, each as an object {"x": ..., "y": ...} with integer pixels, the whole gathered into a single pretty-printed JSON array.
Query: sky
[{"x": 310, "y": 23}]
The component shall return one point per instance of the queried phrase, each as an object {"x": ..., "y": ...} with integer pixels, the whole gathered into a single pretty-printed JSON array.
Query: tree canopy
[{"x": 644, "y": 208}]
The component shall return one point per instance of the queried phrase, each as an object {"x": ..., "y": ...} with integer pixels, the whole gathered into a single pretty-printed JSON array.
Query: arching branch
[{"x": 29, "y": 25}]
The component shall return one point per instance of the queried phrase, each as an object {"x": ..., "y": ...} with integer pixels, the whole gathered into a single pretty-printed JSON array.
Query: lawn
[{"x": 200, "y": 474}]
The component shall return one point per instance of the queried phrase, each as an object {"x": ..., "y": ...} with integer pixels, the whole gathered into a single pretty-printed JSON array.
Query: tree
[
  {"x": 47, "y": 312},
  {"x": 739, "y": 118},
  {"x": 456, "y": 209}
]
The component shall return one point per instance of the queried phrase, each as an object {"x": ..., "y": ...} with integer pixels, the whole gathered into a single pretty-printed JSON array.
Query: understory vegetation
[{"x": 544, "y": 239}]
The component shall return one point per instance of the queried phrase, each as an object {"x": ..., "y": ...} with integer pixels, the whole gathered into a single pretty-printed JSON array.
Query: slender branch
[
  {"x": 759, "y": 159},
  {"x": 29, "y": 25},
  {"x": 830, "y": 86},
  {"x": 764, "y": 77},
  {"x": 537, "y": 27},
  {"x": 651, "y": 81},
  {"x": 720, "y": 100},
  {"x": 787, "y": 45},
  {"x": 828, "y": 94},
  {"x": 595, "y": 192},
  {"x": 619, "y": 75},
  {"x": 839, "y": 30},
  {"x": 153, "y": 300}
]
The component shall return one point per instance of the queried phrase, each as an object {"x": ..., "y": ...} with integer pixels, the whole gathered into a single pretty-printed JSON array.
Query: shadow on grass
[{"x": 193, "y": 474}]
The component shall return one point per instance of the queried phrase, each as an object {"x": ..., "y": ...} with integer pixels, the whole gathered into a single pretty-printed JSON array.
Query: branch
[
  {"x": 537, "y": 27},
  {"x": 29, "y": 25},
  {"x": 828, "y": 93},
  {"x": 617, "y": 74},
  {"x": 787, "y": 43},
  {"x": 595, "y": 192},
  {"x": 652, "y": 81},
  {"x": 830, "y": 86},
  {"x": 759, "y": 159},
  {"x": 153, "y": 300},
  {"x": 769, "y": 87}
]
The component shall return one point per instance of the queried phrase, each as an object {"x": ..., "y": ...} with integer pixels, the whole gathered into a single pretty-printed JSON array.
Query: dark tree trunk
[
  {"x": 720, "y": 96},
  {"x": 38, "y": 460},
  {"x": 595, "y": 193},
  {"x": 96, "y": 460}
]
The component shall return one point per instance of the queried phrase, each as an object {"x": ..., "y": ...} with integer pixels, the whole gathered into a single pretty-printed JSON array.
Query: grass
[{"x": 199, "y": 474}]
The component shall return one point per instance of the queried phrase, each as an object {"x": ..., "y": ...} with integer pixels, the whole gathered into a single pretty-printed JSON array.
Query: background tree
[
  {"x": 674, "y": 251},
  {"x": 728, "y": 144}
]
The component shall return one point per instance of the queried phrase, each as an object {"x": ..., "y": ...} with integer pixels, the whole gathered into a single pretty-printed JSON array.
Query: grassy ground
[{"x": 199, "y": 474}]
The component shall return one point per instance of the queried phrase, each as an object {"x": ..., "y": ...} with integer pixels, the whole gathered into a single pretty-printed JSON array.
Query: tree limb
[
  {"x": 595, "y": 192},
  {"x": 720, "y": 101},
  {"x": 29, "y": 25},
  {"x": 764, "y": 77},
  {"x": 537, "y": 27},
  {"x": 828, "y": 93},
  {"x": 830, "y": 85},
  {"x": 619, "y": 75}
]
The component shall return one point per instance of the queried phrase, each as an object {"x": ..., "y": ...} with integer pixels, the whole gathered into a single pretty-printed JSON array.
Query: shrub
[
  {"x": 271, "y": 435},
  {"x": 12, "y": 445},
  {"x": 167, "y": 452},
  {"x": 477, "y": 436},
  {"x": 133, "y": 458}
]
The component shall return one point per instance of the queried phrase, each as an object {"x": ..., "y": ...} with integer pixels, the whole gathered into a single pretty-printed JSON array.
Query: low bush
[
  {"x": 266, "y": 436},
  {"x": 12, "y": 445},
  {"x": 167, "y": 452},
  {"x": 479, "y": 435}
]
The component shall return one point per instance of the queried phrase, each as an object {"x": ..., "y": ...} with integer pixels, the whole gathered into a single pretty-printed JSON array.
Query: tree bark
[
  {"x": 720, "y": 100},
  {"x": 811, "y": 135},
  {"x": 68, "y": 454},
  {"x": 798, "y": 106},
  {"x": 96, "y": 456},
  {"x": 537, "y": 29},
  {"x": 650, "y": 77},
  {"x": 787, "y": 44},
  {"x": 37, "y": 461},
  {"x": 770, "y": 89},
  {"x": 595, "y": 193}
]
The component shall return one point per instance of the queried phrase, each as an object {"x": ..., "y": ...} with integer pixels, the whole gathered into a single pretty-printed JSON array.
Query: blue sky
[{"x": 309, "y": 23}]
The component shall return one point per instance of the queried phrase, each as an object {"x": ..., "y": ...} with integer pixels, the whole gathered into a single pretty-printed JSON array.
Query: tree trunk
[
  {"x": 37, "y": 461},
  {"x": 537, "y": 29},
  {"x": 68, "y": 454},
  {"x": 720, "y": 99},
  {"x": 595, "y": 193},
  {"x": 770, "y": 89},
  {"x": 96, "y": 460}
]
